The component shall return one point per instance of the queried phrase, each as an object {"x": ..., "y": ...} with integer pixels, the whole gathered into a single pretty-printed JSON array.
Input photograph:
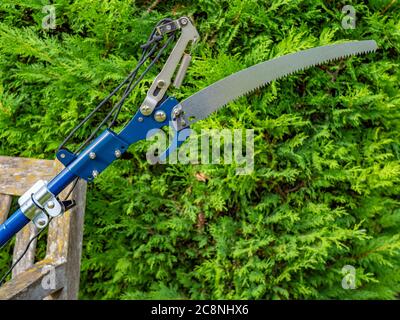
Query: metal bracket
[
  {"x": 179, "y": 119},
  {"x": 38, "y": 203},
  {"x": 177, "y": 56},
  {"x": 96, "y": 157}
]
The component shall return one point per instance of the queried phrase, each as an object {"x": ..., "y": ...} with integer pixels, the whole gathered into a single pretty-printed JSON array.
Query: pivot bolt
[
  {"x": 177, "y": 112},
  {"x": 161, "y": 83},
  {"x": 51, "y": 205},
  {"x": 184, "y": 21},
  {"x": 41, "y": 223},
  {"x": 145, "y": 110},
  {"x": 92, "y": 155},
  {"x": 160, "y": 116}
]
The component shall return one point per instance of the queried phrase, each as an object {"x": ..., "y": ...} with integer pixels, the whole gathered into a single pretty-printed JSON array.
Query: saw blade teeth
[
  {"x": 247, "y": 81},
  {"x": 303, "y": 68}
]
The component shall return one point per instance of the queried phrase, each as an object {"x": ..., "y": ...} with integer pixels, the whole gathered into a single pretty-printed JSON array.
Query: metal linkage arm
[{"x": 178, "y": 55}]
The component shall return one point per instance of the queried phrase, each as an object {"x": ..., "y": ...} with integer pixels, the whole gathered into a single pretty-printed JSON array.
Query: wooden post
[
  {"x": 64, "y": 242},
  {"x": 5, "y": 204}
]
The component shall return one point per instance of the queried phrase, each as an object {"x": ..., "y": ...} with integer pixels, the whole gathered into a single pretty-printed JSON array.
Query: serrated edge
[{"x": 302, "y": 68}]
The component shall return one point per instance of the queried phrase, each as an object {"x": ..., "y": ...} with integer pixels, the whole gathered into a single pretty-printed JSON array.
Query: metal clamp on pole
[
  {"x": 177, "y": 57},
  {"x": 38, "y": 204}
]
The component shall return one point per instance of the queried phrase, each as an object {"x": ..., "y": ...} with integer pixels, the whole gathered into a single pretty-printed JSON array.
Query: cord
[
  {"x": 119, "y": 104},
  {"x": 148, "y": 49},
  {"x": 72, "y": 189},
  {"x": 90, "y": 115},
  {"x": 22, "y": 255}
]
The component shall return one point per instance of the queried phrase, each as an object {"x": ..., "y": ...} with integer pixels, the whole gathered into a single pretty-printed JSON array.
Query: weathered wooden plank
[
  {"x": 57, "y": 248},
  {"x": 73, "y": 268},
  {"x": 65, "y": 242},
  {"x": 19, "y": 174},
  {"x": 38, "y": 282},
  {"x": 22, "y": 240},
  {"x": 5, "y": 204}
]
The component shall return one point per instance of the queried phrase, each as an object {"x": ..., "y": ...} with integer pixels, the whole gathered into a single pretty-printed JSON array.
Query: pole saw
[{"x": 41, "y": 202}]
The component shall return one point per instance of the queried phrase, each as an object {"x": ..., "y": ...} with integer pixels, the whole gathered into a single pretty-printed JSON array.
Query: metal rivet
[
  {"x": 184, "y": 21},
  {"x": 177, "y": 111},
  {"x": 51, "y": 205},
  {"x": 95, "y": 173},
  {"x": 92, "y": 155},
  {"x": 62, "y": 155},
  {"x": 118, "y": 153},
  {"x": 160, "y": 116},
  {"x": 140, "y": 119},
  {"x": 145, "y": 110},
  {"x": 41, "y": 222},
  {"x": 161, "y": 83}
]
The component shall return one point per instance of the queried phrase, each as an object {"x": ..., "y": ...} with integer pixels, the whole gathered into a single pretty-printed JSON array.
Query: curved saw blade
[{"x": 203, "y": 103}]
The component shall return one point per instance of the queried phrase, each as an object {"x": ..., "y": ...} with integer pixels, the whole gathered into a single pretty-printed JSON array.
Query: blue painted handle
[
  {"x": 15, "y": 223},
  {"x": 18, "y": 220}
]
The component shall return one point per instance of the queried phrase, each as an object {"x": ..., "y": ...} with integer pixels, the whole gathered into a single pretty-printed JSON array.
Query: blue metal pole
[
  {"x": 9, "y": 228},
  {"x": 18, "y": 220},
  {"x": 61, "y": 181}
]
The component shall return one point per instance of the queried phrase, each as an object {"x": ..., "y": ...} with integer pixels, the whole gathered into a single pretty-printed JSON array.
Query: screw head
[
  {"x": 140, "y": 119},
  {"x": 118, "y": 153},
  {"x": 160, "y": 116},
  {"x": 62, "y": 155},
  {"x": 41, "y": 223},
  {"x": 177, "y": 112},
  {"x": 184, "y": 21},
  {"x": 161, "y": 83},
  {"x": 51, "y": 204},
  {"x": 92, "y": 155},
  {"x": 95, "y": 173},
  {"x": 145, "y": 110}
]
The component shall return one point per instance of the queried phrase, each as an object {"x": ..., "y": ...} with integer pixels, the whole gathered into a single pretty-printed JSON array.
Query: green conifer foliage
[{"x": 325, "y": 190}]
